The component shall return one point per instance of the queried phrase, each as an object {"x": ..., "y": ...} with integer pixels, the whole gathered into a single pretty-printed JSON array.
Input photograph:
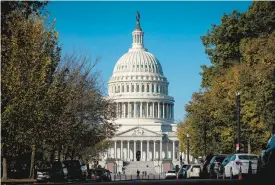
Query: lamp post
[
  {"x": 187, "y": 135},
  {"x": 238, "y": 102}
]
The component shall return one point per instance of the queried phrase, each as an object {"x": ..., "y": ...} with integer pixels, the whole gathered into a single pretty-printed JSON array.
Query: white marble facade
[{"x": 145, "y": 111}]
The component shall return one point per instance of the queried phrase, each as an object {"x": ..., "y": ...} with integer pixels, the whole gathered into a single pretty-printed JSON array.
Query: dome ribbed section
[{"x": 138, "y": 61}]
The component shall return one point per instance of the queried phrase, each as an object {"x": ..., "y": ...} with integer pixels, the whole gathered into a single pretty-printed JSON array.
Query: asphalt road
[{"x": 173, "y": 182}]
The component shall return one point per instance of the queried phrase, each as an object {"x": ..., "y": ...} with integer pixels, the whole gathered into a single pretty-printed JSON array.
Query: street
[{"x": 181, "y": 181}]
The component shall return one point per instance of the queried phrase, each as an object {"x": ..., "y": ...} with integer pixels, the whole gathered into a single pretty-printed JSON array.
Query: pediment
[{"x": 138, "y": 131}]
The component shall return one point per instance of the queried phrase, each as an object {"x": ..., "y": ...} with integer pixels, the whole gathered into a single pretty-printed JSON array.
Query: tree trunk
[
  {"x": 32, "y": 162},
  {"x": 249, "y": 146},
  {"x": 5, "y": 174}
]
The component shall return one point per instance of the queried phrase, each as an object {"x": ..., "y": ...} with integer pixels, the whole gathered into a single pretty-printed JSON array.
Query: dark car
[
  {"x": 181, "y": 174},
  {"x": 213, "y": 167},
  {"x": 222, "y": 165},
  {"x": 59, "y": 171},
  {"x": 101, "y": 174},
  {"x": 266, "y": 161},
  {"x": 76, "y": 170},
  {"x": 204, "y": 165},
  {"x": 55, "y": 171}
]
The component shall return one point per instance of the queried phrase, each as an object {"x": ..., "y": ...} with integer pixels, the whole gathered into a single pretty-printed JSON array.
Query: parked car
[
  {"x": 43, "y": 175},
  {"x": 59, "y": 171},
  {"x": 193, "y": 171},
  {"x": 205, "y": 164},
  {"x": 266, "y": 161},
  {"x": 101, "y": 175},
  {"x": 239, "y": 163},
  {"x": 55, "y": 171},
  {"x": 222, "y": 165},
  {"x": 182, "y": 172},
  {"x": 171, "y": 174},
  {"x": 76, "y": 170},
  {"x": 214, "y": 164}
]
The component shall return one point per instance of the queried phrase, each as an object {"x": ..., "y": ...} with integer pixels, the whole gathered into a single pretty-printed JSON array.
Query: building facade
[{"x": 145, "y": 111}]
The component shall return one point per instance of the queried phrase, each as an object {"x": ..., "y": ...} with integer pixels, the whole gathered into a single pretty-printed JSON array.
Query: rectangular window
[
  {"x": 142, "y": 88},
  {"x": 152, "y": 88},
  {"x": 148, "y": 87},
  {"x": 133, "y": 88},
  {"x": 137, "y": 88},
  {"x": 127, "y": 88}
]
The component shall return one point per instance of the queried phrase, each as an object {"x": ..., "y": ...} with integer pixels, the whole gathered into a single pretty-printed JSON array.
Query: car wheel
[{"x": 231, "y": 174}]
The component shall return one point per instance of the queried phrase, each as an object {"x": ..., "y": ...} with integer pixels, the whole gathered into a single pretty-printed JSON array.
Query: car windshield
[
  {"x": 220, "y": 158},
  {"x": 171, "y": 171},
  {"x": 72, "y": 163},
  {"x": 248, "y": 157},
  {"x": 57, "y": 165}
]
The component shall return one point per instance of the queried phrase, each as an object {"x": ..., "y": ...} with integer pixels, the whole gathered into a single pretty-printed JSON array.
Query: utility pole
[
  {"x": 187, "y": 147},
  {"x": 204, "y": 138},
  {"x": 238, "y": 102}
]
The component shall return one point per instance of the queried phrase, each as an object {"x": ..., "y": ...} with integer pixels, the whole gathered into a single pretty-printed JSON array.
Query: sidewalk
[{"x": 18, "y": 180}]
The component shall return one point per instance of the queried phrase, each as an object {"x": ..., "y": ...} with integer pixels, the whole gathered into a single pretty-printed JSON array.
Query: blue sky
[{"x": 172, "y": 33}]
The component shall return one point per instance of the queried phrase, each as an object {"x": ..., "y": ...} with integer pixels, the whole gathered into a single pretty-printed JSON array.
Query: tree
[{"x": 241, "y": 50}]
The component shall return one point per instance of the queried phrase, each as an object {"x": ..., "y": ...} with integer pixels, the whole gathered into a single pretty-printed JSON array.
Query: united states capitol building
[{"x": 146, "y": 138}]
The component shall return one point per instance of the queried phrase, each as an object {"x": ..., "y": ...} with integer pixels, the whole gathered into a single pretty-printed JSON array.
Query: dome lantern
[{"x": 137, "y": 36}]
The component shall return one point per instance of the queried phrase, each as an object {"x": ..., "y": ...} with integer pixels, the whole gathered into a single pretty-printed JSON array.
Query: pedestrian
[{"x": 138, "y": 174}]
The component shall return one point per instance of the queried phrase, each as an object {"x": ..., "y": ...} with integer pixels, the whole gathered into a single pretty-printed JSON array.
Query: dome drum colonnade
[{"x": 149, "y": 150}]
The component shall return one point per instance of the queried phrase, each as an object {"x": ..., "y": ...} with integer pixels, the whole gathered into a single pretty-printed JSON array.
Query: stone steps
[{"x": 132, "y": 167}]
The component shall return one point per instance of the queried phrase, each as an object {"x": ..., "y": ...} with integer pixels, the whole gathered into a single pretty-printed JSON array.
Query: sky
[{"x": 172, "y": 32}]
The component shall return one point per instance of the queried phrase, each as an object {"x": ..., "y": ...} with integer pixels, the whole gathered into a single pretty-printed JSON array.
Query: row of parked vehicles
[
  {"x": 60, "y": 171},
  {"x": 70, "y": 170},
  {"x": 231, "y": 165}
]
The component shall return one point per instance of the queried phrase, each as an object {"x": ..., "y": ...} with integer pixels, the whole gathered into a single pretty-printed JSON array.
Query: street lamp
[
  {"x": 187, "y": 135},
  {"x": 238, "y": 107}
]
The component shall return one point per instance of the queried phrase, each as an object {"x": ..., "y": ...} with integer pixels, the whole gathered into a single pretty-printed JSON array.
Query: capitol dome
[
  {"x": 138, "y": 61},
  {"x": 144, "y": 113},
  {"x": 138, "y": 86}
]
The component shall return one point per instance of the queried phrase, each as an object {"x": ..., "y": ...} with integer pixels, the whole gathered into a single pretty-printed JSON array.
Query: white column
[
  {"x": 123, "y": 109},
  {"x": 121, "y": 150},
  {"x": 160, "y": 149},
  {"x": 141, "y": 156},
  {"x": 167, "y": 110},
  {"x": 153, "y": 113},
  {"x": 117, "y": 110},
  {"x": 163, "y": 110},
  {"x": 128, "y": 150},
  {"x": 147, "y": 116},
  {"x": 115, "y": 149},
  {"x": 158, "y": 110},
  {"x": 134, "y": 151},
  {"x": 147, "y": 158},
  {"x": 135, "y": 109},
  {"x": 128, "y": 109},
  {"x": 154, "y": 156},
  {"x": 173, "y": 153},
  {"x": 172, "y": 111},
  {"x": 140, "y": 109}
]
